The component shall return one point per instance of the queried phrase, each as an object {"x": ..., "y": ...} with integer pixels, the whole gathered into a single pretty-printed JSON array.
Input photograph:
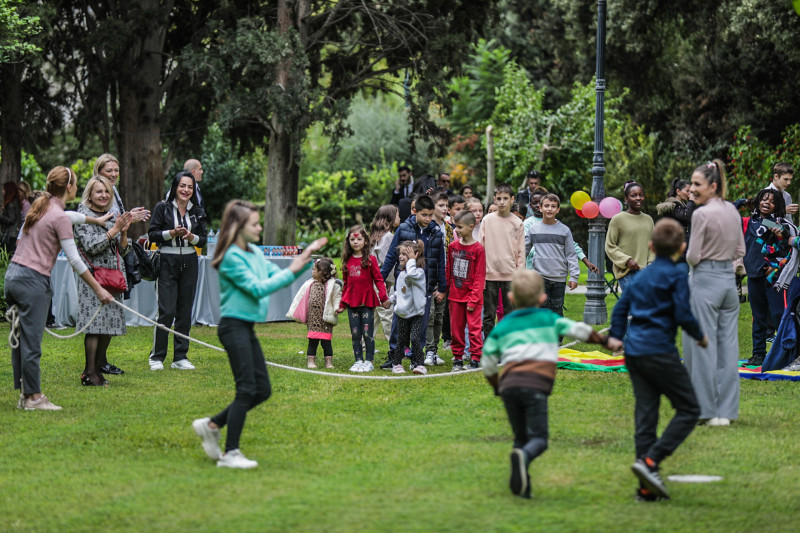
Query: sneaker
[
  {"x": 718, "y": 422},
  {"x": 21, "y": 401},
  {"x": 794, "y": 366},
  {"x": 458, "y": 365},
  {"x": 437, "y": 360},
  {"x": 756, "y": 360},
  {"x": 108, "y": 368},
  {"x": 519, "y": 473},
  {"x": 367, "y": 366},
  {"x": 387, "y": 365},
  {"x": 647, "y": 472},
  {"x": 446, "y": 345},
  {"x": 155, "y": 364},
  {"x": 183, "y": 364},
  {"x": 235, "y": 459},
  {"x": 644, "y": 495},
  {"x": 429, "y": 358},
  {"x": 209, "y": 436},
  {"x": 357, "y": 366},
  {"x": 420, "y": 370},
  {"x": 771, "y": 339},
  {"x": 398, "y": 369},
  {"x": 474, "y": 364},
  {"x": 42, "y": 404}
]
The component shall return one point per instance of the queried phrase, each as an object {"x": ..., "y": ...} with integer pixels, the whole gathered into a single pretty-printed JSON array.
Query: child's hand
[
  {"x": 470, "y": 308},
  {"x": 410, "y": 252},
  {"x": 633, "y": 265},
  {"x": 777, "y": 231},
  {"x": 438, "y": 296},
  {"x": 703, "y": 343},
  {"x": 613, "y": 344},
  {"x": 387, "y": 304},
  {"x": 573, "y": 285},
  {"x": 339, "y": 311},
  {"x": 591, "y": 266}
]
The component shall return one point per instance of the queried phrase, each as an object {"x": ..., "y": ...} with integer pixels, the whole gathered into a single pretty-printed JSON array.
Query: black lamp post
[{"x": 594, "y": 312}]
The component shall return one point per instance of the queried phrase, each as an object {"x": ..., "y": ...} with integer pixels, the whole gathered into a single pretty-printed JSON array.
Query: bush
[{"x": 751, "y": 160}]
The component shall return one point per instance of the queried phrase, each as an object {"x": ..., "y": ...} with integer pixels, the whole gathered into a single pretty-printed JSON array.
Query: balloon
[
  {"x": 580, "y": 213},
  {"x": 579, "y": 198},
  {"x": 590, "y": 209},
  {"x": 610, "y": 206}
]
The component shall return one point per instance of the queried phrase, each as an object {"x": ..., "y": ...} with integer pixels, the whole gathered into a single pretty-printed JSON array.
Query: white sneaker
[
  {"x": 42, "y": 404},
  {"x": 236, "y": 459},
  {"x": 155, "y": 364},
  {"x": 438, "y": 360},
  {"x": 183, "y": 364},
  {"x": 357, "y": 366},
  {"x": 429, "y": 358},
  {"x": 209, "y": 436},
  {"x": 718, "y": 422},
  {"x": 367, "y": 366},
  {"x": 398, "y": 369},
  {"x": 420, "y": 370},
  {"x": 21, "y": 401},
  {"x": 446, "y": 345}
]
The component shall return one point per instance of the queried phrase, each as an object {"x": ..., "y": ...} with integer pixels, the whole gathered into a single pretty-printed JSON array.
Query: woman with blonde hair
[{"x": 46, "y": 231}]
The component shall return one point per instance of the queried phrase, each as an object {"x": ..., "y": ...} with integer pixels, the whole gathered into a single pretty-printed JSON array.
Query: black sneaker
[
  {"x": 458, "y": 365},
  {"x": 756, "y": 360},
  {"x": 644, "y": 495},
  {"x": 474, "y": 364},
  {"x": 108, "y": 368},
  {"x": 519, "y": 474},
  {"x": 386, "y": 365},
  {"x": 647, "y": 472}
]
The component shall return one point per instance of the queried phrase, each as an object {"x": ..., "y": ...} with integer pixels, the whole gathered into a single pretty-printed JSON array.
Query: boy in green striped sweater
[{"x": 525, "y": 342}]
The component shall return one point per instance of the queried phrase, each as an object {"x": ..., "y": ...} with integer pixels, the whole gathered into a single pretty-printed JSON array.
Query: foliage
[
  {"x": 32, "y": 172},
  {"x": 15, "y": 30},
  {"x": 5, "y": 259},
  {"x": 751, "y": 160}
]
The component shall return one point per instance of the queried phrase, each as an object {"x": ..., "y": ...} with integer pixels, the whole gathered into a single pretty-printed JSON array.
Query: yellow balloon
[{"x": 579, "y": 198}]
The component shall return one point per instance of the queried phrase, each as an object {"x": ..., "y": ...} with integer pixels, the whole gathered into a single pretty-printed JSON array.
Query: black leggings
[
  {"x": 362, "y": 325},
  {"x": 327, "y": 349},
  {"x": 249, "y": 372}
]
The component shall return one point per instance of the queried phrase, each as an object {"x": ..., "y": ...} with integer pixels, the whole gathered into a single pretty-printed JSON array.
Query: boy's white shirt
[
  {"x": 333, "y": 295},
  {"x": 409, "y": 291}
]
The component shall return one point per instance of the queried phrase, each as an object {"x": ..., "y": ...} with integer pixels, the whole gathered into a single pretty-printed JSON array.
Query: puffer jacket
[
  {"x": 333, "y": 294},
  {"x": 434, "y": 252}
]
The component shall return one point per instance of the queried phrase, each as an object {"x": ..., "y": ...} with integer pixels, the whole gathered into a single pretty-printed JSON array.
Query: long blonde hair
[
  {"x": 235, "y": 216},
  {"x": 58, "y": 180}
]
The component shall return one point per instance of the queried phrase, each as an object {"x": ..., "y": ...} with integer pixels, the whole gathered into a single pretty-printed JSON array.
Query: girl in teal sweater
[{"x": 246, "y": 280}]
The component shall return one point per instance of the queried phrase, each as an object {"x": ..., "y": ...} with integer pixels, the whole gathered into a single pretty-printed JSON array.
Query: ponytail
[
  {"x": 714, "y": 172},
  {"x": 58, "y": 180}
]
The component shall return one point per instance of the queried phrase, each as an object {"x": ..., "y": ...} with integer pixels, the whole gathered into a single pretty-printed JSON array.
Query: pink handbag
[{"x": 301, "y": 313}]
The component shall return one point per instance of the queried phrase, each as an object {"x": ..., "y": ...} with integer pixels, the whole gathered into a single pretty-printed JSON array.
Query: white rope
[
  {"x": 56, "y": 335},
  {"x": 12, "y": 315}
]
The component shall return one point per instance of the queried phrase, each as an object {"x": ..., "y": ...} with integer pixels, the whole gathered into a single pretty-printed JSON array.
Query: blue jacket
[
  {"x": 657, "y": 301},
  {"x": 434, "y": 252},
  {"x": 784, "y": 348},
  {"x": 762, "y": 245}
]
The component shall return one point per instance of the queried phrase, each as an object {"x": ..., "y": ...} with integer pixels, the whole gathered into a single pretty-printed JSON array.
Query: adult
[
  {"x": 443, "y": 183},
  {"x": 533, "y": 181},
  {"x": 176, "y": 228},
  {"x": 196, "y": 169},
  {"x": 679, "y": 206},
  {"x": 101, "y": 246},
  {"x": 466, "y": 192},
  {"x": 47, "y": 230},
  {"x": 782, "y": 174},
  {"x": 717, "y": 240},
  {"x": 24, "y": 193},
  {"x": 403, "y": 186},
  {"x": 628, "y": 237},
  {"x": 10, "y": 216}
]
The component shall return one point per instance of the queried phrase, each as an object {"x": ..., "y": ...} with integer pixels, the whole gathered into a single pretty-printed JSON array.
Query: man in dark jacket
[{"x": 419, "y": 227}]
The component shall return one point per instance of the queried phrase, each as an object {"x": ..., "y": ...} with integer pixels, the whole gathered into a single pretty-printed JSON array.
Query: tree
[
  {"x": 15, "y": 30},
  {"x": 280, "y": 66}
]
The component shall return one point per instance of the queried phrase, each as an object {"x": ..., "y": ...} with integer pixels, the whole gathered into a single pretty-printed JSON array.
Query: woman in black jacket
[
  {"x": 176, "y": 227},
  {"x": 679, "y": 205}
]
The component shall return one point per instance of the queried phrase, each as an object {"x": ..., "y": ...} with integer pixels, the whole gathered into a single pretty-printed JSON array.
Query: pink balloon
[
  {"x": 610, "y": 206},
  {"x": 590, "y": 209}
]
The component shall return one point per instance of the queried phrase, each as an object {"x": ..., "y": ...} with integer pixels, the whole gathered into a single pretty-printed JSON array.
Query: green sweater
[
  {"x": 246, "y": 279},
  {"x": 525, "y": 342},
  {"x": 628, "y": 237}
]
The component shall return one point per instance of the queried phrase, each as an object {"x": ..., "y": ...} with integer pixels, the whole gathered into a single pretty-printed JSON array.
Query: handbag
[
  {"x": 149, "y": 261},
  {"x": 110, "y": 279},
  {"x": 301, "y": 313}
]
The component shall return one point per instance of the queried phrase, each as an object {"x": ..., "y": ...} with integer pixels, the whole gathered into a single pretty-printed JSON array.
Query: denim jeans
[
  {"x": 362, "y": 325},
  {"x": 527, "y": 414},
  {"x": 555, "y": 296}
]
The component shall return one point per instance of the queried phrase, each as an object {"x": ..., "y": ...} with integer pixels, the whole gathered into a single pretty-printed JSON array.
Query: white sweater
[{"x": 409, "y": 291}]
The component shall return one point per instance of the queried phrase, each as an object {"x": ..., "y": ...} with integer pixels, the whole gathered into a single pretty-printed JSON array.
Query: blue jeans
[
  {"x": 625, "y": 280},
  {"x": 362, "y": 325},
  {"x": 555, "y": 296},
  {"x": 767, "y": 307}
]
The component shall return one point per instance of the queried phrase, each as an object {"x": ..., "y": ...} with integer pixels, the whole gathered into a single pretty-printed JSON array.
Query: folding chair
[{"x": 612, "y": 285}]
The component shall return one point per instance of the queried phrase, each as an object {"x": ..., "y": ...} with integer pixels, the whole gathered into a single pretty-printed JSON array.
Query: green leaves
[{"x": 15, "y": 31}]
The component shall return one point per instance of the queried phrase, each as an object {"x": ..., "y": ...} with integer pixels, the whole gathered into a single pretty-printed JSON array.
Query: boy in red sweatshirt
[{"x": 466, "y": 275}]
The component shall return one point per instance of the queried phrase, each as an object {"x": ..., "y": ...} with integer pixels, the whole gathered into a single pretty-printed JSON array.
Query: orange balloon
[{"x": 590, "y": 209}]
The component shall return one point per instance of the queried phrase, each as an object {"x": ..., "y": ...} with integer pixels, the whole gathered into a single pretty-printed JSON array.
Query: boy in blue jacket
[{"x": 657, "y": 301}]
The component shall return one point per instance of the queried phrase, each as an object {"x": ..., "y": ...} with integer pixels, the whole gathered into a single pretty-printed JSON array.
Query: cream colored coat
[{"x": 333, "y": 295}]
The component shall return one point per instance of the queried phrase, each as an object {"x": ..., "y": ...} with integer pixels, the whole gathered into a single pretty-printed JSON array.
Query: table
[{"x": 144, "y": 299}]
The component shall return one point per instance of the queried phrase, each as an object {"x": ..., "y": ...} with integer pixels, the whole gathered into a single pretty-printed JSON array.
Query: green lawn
[{"x": 346, "y": 455}]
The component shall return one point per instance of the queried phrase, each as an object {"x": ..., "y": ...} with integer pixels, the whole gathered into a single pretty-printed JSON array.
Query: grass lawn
[{"x": 346, "y": 455}]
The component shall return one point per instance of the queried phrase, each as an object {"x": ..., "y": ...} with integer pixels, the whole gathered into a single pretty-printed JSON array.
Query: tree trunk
[
  {"x": 11, "y": 111},
  {"x": 283, "y": 175}
]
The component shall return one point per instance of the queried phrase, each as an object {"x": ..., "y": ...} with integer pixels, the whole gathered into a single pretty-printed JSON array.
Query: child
[
  {"x": 361, "y": 276},
  {"x": 456, "y": 204},
  {"x": 767, "y": 245},
  {"x": 409, "y": 305},
  {"x": 315, "y": 305},
  {"x": 381, "y": 233},
  {"x": 519, "y": 210},
  {"x": 782, "y": 174},
  {"x": 628, "y": 235},
  {"x": 466, "y": 275},
  {"x": 503, "y": 239},
  {"x": 419, "y": 228},
  {"x": 555, "y": 256},
  {"x": 436, "y": 320},
  {"x": 526, "y": 344},
  {"x": 658, "y": 301},
  {"x": 246, "y": 280}
]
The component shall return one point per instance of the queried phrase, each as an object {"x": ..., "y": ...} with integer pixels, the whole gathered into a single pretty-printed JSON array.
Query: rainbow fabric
[{"x": 601, "y": 362}]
